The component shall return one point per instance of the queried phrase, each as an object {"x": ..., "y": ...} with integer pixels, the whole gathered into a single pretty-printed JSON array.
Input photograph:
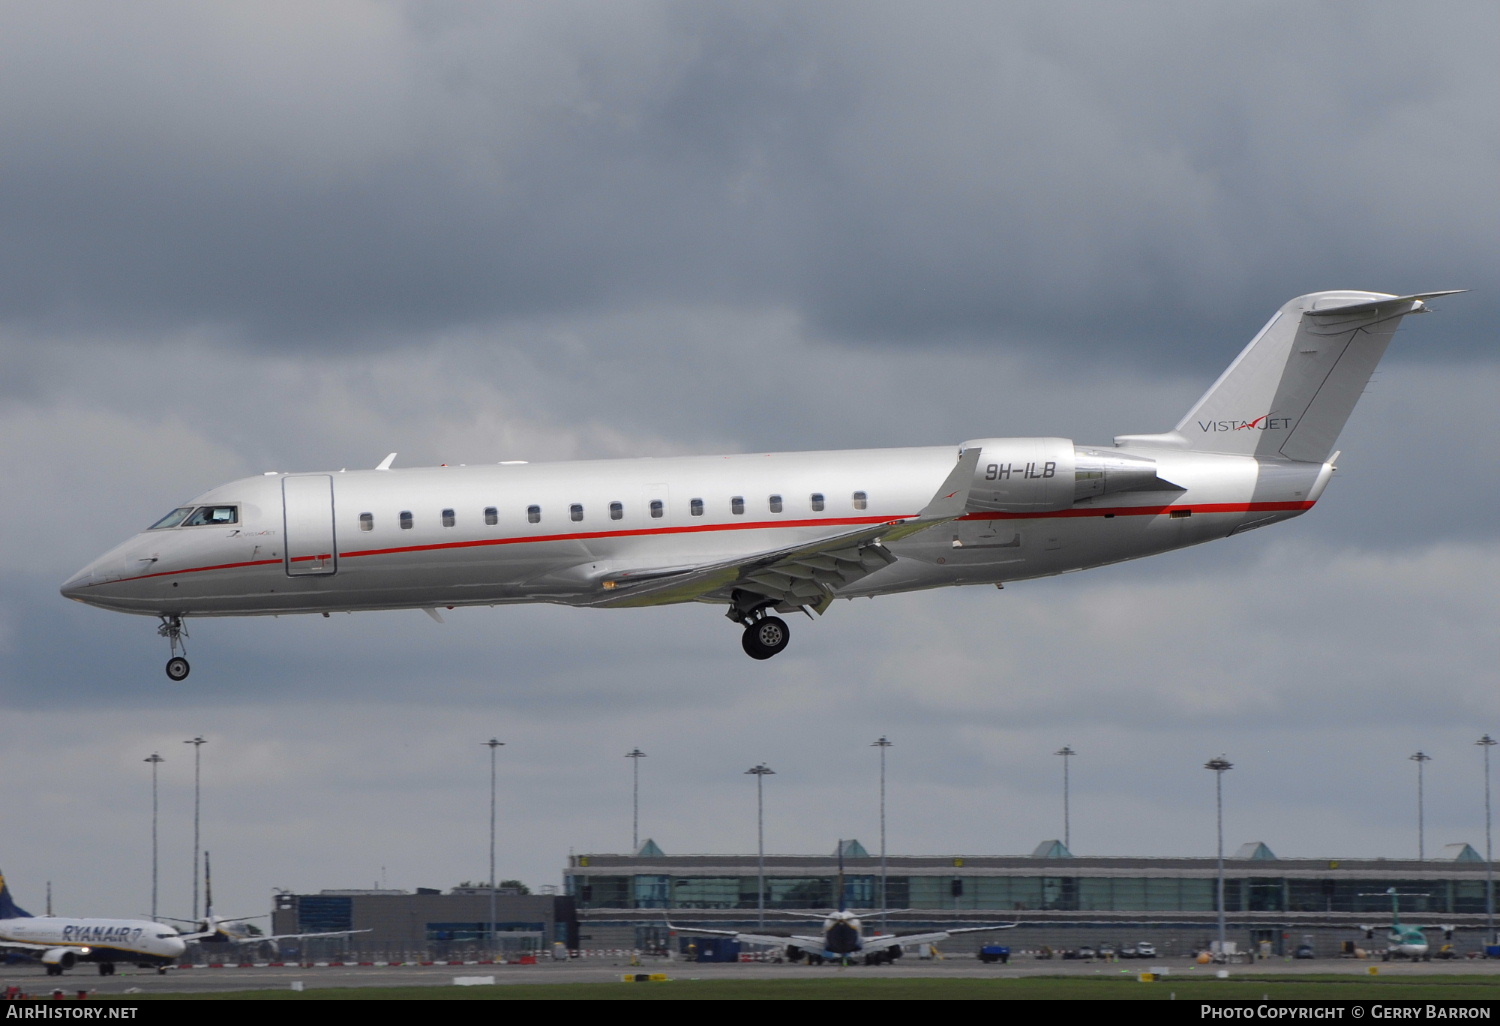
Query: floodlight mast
[
  {"x": 1420, "y": 758},
  {"x": 1487, "y": 743},
  {"x": 1067, "y": 753},
  {"x": 1219, "y": 766},
  {"x": 882, "y": 744},
  {"x": 492, "y": 744},
  {"x": 635, "y": 755},
  {"x": 760, "y": 771}
]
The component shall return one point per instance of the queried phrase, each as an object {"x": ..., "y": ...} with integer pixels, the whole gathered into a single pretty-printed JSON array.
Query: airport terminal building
[{"x": 1272, "y": 905}]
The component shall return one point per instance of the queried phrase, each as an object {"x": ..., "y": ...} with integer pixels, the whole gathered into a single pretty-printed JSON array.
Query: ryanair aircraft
[
  {"x": 762, "y": 534},
  {"x": 61, "y": 943}
]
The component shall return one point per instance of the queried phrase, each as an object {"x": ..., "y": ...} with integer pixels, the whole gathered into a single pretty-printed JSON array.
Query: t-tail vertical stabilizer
[{"x": 1289, "y": 393}]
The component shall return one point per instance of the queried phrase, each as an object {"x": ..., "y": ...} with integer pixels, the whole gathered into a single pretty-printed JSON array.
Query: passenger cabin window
[
  {"x": 737, "y": 505},
  {"x": 367, "y": 521},
  {"x": 775, "y": 504},
  {"x": 817, "y": 502},
  {"x": 213, "y": 516},
  {"x": 861, "y": 500},
  {"x": 406, "y": 520},
  {"x": 448, "y": 518},
  {"x": 491, "y": 516},
  {"x": 576, "y": 512},
  {"x": 533, "y": 514},
  {"x": 616, "y": 511},
  {"x": 695, "y": 507},
  {"x": 657, "y": 509}
]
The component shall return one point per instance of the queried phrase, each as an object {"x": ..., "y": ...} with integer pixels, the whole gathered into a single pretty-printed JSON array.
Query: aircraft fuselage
[{"x": 488, "y": 535}]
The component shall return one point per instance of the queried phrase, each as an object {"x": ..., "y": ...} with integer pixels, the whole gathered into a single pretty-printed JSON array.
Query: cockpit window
[
  {"x": 213, "y": 516},
  {"x": 172, "y": 519}
]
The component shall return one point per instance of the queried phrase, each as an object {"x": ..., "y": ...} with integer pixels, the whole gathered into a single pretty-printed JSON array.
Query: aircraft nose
[{"x": 75, "y": 586}]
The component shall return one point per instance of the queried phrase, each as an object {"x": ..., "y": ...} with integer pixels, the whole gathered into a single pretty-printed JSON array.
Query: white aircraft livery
[
  {"x": 61, "y": 943},
  {"x": 766, "y": 533},
  {"x": 843, "y": 939}
]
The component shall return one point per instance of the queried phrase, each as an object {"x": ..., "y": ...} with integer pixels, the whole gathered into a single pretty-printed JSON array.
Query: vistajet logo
[{"x": 1262, "y": 423}]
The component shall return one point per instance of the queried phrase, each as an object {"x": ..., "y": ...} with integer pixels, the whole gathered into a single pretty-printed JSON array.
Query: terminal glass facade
[{"x": 959, "y": 892}]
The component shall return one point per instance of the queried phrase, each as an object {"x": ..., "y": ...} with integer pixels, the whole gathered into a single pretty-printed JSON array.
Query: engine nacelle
[
  {"x": 1022, "y": 475},
  {"x": 1102, "y": 472},
  {"x": 1040, "y": 475},
  {"x": 65, "y": 957}
]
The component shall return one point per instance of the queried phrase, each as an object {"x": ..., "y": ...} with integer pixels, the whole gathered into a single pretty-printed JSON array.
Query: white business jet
[
  {"x": 766, "y": 533},
  {"x": 60, "y": 943}
]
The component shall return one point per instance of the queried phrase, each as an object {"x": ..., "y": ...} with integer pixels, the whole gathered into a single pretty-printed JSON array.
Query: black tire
[
  {"x": 765, "y": 637},
  {"x": 177, "y": 668}
]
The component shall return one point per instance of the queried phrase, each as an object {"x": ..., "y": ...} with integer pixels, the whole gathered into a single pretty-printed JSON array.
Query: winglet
[
  {"x": 385, "y": 464},
  {"x": 952, "y": 498}
]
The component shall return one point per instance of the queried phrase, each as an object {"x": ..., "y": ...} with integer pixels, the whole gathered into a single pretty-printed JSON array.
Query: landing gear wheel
[
  {"x": 172, "y": 629},
  {"x": 765, "y": 637}
]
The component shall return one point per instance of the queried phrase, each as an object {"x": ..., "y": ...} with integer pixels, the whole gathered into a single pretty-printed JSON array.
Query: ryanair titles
[{"x": 101, "y": 934}]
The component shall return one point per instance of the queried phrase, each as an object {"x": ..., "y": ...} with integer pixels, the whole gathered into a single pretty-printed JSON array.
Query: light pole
[
  {"x": 155, "y": 760},
  {"x": 882, "y": 744},
  {"x": 1487, "y": 743},
  {"x": 635, "y": 755},
  {"x": 492, "y": 744},
  {"x": 1066, "y": 753},
  {"x": 1419, "y": 759},
  {"x": 1219, "y": 765},
  {"x": 197, "y": 743},
  {"x": 760, "y": 772}
]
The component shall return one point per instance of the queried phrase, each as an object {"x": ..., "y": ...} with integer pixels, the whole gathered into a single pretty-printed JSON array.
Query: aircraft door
[{"x": 307, "y": 505}]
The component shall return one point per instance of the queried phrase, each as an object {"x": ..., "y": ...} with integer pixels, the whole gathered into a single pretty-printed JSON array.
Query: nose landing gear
[{"x": 172, "y": 629}]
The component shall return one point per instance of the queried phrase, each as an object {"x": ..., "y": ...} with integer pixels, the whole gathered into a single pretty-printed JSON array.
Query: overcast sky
[{"x": 282, "y": 236}]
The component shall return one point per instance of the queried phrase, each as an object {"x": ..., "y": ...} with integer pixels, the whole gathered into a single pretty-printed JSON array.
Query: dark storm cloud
[
  {"x": 245, "y": 237},
  {"x": 892, "y": 173}
]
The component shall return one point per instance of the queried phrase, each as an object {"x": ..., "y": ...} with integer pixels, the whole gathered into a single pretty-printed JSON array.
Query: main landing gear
[
  {"x": 764, "y": 635},
  {"x": 172, "y": 629}
]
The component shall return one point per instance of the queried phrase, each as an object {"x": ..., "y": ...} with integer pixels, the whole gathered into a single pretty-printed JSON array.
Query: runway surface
[{"x": 33, "y": 979}]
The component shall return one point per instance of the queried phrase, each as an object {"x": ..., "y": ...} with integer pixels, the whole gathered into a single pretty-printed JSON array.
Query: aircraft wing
[
  {"x": 891, "y": 940},
  {"x": 799, "y": 575},
  {"x": 770, "y": 940},
  {"x": 292, "y": 936}
]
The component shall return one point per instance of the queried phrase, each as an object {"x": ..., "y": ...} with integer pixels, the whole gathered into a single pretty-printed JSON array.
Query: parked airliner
[
  {"x": 61, "y": 943},
  {"x": 766, "y": 533},
  {"x": 842, "y": 940}
]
